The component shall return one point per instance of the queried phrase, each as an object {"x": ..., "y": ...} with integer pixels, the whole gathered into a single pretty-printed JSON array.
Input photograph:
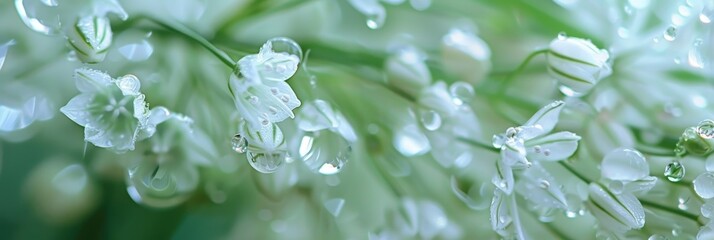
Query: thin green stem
[
  {"x": 672, "y": 210},
  {"x": 574, "y": 172},
  {"x": 520, "y": 68},
  {"x": 190, "y": 34},
  {"x": 477, "y": 144}
]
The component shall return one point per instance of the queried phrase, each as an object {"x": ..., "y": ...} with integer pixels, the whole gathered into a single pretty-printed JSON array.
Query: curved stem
[
  {"x": 190, "y": 34},
  {"x": 520, "y": 68}
]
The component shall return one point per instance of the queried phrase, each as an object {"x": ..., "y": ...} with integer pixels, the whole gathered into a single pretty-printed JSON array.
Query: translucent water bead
[
  {"x": 325, "y": 152},
  {"x": 674, "y": 171},
  {"x": 161, "y": 180}
]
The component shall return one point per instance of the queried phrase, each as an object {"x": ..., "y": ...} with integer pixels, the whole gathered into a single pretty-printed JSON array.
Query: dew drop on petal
[
  {"x": 705, "y": 129},
  {"x": 266, "y": 162},
  {"x": 704, "y": 185},
  {"x": 694, "y": 56},
  {"x": 325, "y": 151},
  {"x": 129, "y": 84},
  {"x": 461, "y": 92},
  {"x": 624, "y": 165},
  {"x": 285, "y": 45},
  {"x": 670, "y": 33},
  {"x": 410, "y": 141},
  {"x": 137, "y": 52},
  {"x": 707, "y": 209},
  {"x": 674, "y": 171},
  {"x": 431, "y": 120},
  {"x": 239, "y": 144}
]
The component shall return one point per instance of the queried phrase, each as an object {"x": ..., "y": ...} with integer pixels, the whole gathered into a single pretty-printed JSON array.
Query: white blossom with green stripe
[
  {"x": 577, "y": 64},
  {"x": 90, "y": 38}
]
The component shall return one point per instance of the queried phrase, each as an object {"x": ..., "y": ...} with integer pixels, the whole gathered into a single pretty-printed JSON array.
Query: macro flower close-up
[{"x": 357, "y": 119}]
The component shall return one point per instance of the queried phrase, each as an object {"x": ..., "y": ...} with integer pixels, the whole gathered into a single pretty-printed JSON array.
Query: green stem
[
  {"x": 574, "y": 172},
  {"x": 644, "y": 202},
  {"x": 478, "y": 144},
  {"x": 672, "y": 210},
  {"x": 192, "y": 35},
  {"x": 519, "y": 69}
]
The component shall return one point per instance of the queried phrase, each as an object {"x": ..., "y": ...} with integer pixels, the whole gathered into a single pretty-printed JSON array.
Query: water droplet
[
  {"x": 375, "y": 19},
  {"x": 674, "y": 171},
  {"x": 544, "y": 184},
  {"x": 334, "y": 206},
  {"x": 410, "y": 141},
  {"x": 164, "y": 184},
  {"x": 129, "y": 84},
  {"x": 624, "y": 164},
  {"x": 707, "y": 209},
  {"x": 137, "y": 52},
  {"x": 431, "y": 120},
  {"x": 239, "y": 143},
  {"x": 670, "y": 33},
  {"x": 684, "y": 10},
  {"x": 672, "y": 110},
  {"x": 709, "y": 164},
  {"x": 682, "y": 203},
  {"x": 657, "y": 237},
  {"x": 32, "y": 22},
  {"x": 694, "y": 56},
  {"x": 707, "y": 12},
  {"x": 266, "y": 162},
  {"x": 420, "y": 5},
  {"x": 704, "y": 185},
  {"x": 325, "y": 152},
  {"x": 705, "y": 129},
  {"x": 676, "y": 232},
  {"x": 461, "y": 92},
  {"x": 285, "y": 45},
  {"x": 562, "y": 36}
]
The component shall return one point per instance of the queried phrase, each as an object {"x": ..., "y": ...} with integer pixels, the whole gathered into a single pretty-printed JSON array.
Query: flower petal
[
  {"x": 553, "y": 147},
  {"x": 76, "y": 109},
  {"x": 504, "y": 178},
  {"x": 90, "y": 80},
  {"x": 546, "y": 117},
  {"x": 500, "y": 211},
  {"x": 619, "y": 212}
]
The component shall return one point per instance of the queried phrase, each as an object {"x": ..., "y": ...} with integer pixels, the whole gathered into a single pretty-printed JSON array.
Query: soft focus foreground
[{"x": 356, "y": 119}]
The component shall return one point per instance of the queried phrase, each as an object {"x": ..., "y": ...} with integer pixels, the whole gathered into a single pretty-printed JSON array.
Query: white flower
[
  {"x": 112, "y": 111},
  {"x": 91, "y": 37},
  {"x": 259, "y": 89},
  {"x": 266, "y": 149},
  {"x": 521, "y": 145},
  {"x": 577, "y": 64}
]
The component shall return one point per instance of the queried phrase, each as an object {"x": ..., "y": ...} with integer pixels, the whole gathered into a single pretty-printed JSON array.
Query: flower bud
[
  {"x": 465, "y": 55},
  {"x": 616, "y": 212},
  {"x": 407, "y": 71},
  {"x": 693, "y": 142},
  {"x": 577, "y": 64},
  {"x": 90, "y": 38}
]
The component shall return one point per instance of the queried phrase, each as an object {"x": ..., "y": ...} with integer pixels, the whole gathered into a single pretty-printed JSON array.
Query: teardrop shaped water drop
[
  {"x": 285, "y": 45},
  {"x": 674, "y": 171},
  {"x": 670, "y": 33},
  {"x": 431, "y": 120},
  {"x": 164, "y": 184},
  {"x": 239, "y": 143},
  {"x": 694, "y": 56},
  {"x": 266, "y": 162},
  {"x": 461, "y": 92},
  {"x": 137, "y": 52},
  {"x": 705, "y": 129},
  {"x": 325, "y": 152}
]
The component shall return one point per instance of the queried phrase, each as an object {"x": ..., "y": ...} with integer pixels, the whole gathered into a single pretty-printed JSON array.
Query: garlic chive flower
[
  {"x": 577, "y": 64},
  {"x": 261, "y": 94},
  {"x": 266, "y": 149},
  {"x": 521, "y": 145},
  {"x": 112, "y": 111},
  {"x": 625, "y": 172},
  {"x": 90, "y": 38}
]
